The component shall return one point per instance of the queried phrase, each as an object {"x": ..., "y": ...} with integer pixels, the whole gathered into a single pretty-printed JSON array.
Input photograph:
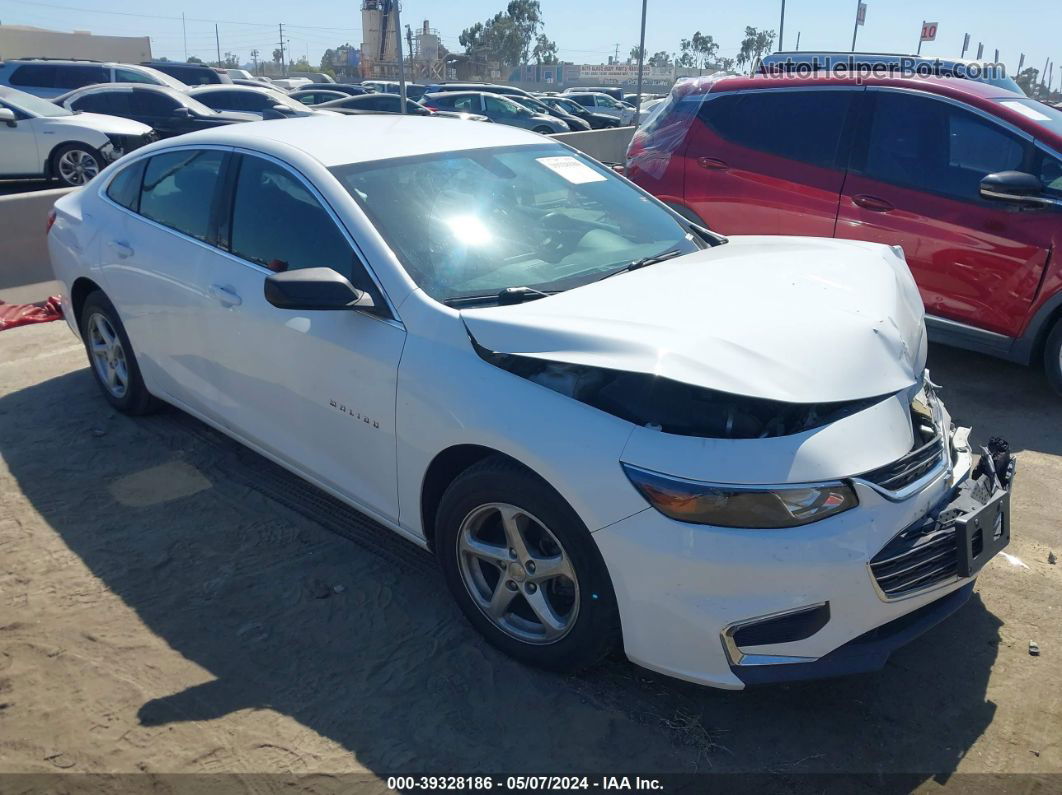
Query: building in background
[
  {"x": 422, "y": 51},
  {"x": 20, "y": 41}
]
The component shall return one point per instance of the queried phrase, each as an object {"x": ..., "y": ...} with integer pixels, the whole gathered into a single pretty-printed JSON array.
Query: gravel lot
[{"x": 170, "y": 602}]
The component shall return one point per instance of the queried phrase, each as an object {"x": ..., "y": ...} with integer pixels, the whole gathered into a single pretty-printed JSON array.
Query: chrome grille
[{"x": 921, "y": 556}]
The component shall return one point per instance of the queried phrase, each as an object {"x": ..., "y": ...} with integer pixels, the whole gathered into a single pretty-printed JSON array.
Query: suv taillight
[{"x": 51, "y": 220}]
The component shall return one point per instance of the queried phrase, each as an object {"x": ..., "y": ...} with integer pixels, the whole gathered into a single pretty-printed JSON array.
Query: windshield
[
  {"x": 473, "y": 223},
  {"x": 1045, "y": 115},
  {"x": 165, "y": 79},
  {"x": 28, "y": 103}
]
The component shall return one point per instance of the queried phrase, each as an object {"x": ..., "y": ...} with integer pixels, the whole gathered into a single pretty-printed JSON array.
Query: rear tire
[
  {"x": 111, "y": 357},
  {"x": 524, "y": 569},
  {"x": 1053, "y": 357},
  {"x": 76, "y": 164}
]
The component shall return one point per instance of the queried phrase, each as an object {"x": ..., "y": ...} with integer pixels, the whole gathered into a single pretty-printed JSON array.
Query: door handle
[
  {"x": 122, "y": 249},
  {"x": 873, "y": 203},
  {"x": 225, "y": 295},
  {"x": 712, "y": 163}
]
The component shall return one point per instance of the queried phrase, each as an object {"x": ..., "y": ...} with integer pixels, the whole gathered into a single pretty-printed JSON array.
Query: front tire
[
  {"x": 1053, "y": 357},
  {"x": 76, "y": 164},
  {"x": 111, "y": 357},
  {"x": 524, "y": 569}
]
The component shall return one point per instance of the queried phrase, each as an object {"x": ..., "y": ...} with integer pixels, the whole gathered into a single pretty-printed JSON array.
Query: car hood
[
  {"x": 794, "y": 319},
  {"x": 108, "y": 125}
]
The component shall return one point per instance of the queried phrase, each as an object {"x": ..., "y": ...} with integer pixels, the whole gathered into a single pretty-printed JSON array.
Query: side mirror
[
  {"x": 1017, "y": 187},
  {"x": 8, "y": 117},
  {"x": 182, "y": 112},
  {"x": 314, "y": 289}
]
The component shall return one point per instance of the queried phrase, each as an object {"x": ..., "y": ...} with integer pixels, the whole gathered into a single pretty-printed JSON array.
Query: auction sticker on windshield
[{"x": 571, "y": 169}]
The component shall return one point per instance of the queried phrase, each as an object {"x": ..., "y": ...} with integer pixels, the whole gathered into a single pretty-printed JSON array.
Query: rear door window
[
  {"x": 80, "y": 75},
  {"x": 152, "y": 103},
  {"x": 805, "y": 126},
  {"x": 37, "y": 75},
  {"x": 178, "y": 190},
  {"x": 131, "y": 76}
]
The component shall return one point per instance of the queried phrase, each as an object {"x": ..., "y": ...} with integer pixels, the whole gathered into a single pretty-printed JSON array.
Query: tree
[
  {"x": 726, "y": 64},
  {"x": 636, "y": 52},
  {"x": 545, "y": 52},
  {"x": 230, "y": 61},
  {"x": 278, "y": 57},
  {"x": 302, "y": 65},
  {"x": 661, "y": 58},
  {"x": 1028, "y": 79},
  {"x": 507, "y": 36},
  {"x": 193, "y": 59},
  {"x": 686, "y": 58},
  {"x": 755, "y": 44},
  {"x": 705, "y": 47}
]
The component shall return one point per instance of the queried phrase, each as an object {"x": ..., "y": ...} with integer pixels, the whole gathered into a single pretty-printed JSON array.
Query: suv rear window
[
  {"x": 798, "y": 125},
  {"x": 71, "y": 76},
  {"x": 39, "y": 75}
]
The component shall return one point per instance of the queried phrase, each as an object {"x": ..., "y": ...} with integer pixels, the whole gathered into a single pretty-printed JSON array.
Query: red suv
[{"x": 967, "y": 178}]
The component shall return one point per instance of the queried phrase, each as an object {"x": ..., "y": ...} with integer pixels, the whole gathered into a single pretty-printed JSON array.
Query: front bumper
[{"x": 685, "y": 590}]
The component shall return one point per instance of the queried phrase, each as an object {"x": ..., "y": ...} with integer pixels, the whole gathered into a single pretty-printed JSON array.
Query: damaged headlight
[{"x": 741, "y": 506}]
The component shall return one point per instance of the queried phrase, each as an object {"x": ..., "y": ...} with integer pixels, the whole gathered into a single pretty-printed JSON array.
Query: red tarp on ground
[{"x": 12, "y": 315}]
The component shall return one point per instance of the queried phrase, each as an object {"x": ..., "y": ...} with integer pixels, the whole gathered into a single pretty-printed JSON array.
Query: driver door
[{"x": 314, "y": 389}]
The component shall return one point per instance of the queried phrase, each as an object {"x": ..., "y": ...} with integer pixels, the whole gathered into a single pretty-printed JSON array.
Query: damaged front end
[{"x": 671, "y": 406}]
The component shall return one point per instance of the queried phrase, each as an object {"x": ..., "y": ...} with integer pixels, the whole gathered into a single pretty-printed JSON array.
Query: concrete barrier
[
  {"x": 25, "y": 271},
  {"x": 608, "y": 145}
]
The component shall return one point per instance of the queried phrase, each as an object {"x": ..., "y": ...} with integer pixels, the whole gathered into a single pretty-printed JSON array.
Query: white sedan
[{"x": 613, "y": 428}]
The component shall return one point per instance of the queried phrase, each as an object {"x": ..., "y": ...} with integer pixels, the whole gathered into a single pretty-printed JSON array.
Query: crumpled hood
[{"x": 795, "y": 319}]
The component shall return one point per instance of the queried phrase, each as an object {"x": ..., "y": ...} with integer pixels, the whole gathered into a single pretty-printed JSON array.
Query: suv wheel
[
  {"x": 1053, "y": 357},
  {"x": 111, "y": 357},
  {"x": 76, "y": 164},
  {"x": 524, "y": 569}
]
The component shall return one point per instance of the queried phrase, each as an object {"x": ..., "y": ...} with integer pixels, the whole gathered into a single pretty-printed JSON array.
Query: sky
[{"x": 586, "y": 31}]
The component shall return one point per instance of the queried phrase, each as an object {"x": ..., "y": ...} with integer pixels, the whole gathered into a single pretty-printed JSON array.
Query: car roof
[
  {"x": 939, "y": 85},
  {"x": 330, "y": 139},
  {"x": 210, "y": 87}
]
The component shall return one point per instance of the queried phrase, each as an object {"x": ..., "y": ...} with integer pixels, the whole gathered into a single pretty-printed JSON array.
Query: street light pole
[
  {"x": 855, "y": 26},
  {"x": 641, "y": 61},
  {"x": 401, "y": 60},
  {"x": 781, "y": 29}
]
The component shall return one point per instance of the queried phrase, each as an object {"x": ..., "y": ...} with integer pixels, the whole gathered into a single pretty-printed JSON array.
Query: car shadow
[{"x": 217, "y": 552}]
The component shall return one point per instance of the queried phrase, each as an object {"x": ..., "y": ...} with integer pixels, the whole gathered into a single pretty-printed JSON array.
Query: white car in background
[
  {"x": 41, "y": 139},
  {"x": 614, "y": 428}
]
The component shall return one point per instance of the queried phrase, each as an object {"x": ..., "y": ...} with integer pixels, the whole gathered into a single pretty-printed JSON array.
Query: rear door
[
  {"x": 914, "y": 181},
  {"x": 153, "y": 255},
  {"x": 770, "y": 161},
  {"x": 316, "y": 389}
]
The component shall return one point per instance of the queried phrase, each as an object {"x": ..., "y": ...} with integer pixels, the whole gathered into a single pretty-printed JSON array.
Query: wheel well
[
  {"x": 81, "y": 290},
  {"x": 442, "y": 471}
]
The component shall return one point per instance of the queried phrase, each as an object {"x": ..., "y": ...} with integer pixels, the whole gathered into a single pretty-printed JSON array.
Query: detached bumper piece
[{"x": 956, "y": 538}]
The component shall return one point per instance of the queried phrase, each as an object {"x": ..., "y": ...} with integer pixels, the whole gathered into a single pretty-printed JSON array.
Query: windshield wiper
[
  {"x": 671, "y": 253},
  {"x": 508, "y": 296}
]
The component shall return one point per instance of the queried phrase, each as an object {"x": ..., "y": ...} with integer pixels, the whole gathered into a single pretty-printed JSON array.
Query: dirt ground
[{"x": 170, "y": 602}]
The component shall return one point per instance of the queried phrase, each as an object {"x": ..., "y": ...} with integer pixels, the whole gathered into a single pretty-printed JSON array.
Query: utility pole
[
  {"x": 641, "y": 62},
  {"x": 283, "y": 60},
  {"x": 254, "y": 58},
  {"x": 855, "y": 27},
  {"x": 616, "y": 57},
  {"x": 409, "y": 41},
  {"x": 781, "y": 29},
  {"x": 217, "y": 41},
  {"x": 798, "y": 41},
  {"x": 184, "y": 32},
  {"x": 965, "y": 45},
  {"x": 1043, "y": 75},
  {"x": 401, "y": 60}
]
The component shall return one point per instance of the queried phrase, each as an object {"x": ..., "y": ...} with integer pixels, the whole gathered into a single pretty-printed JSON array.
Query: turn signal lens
[
  {"x": 51, "y": 220},
  {"x": 749, "y": 507}
]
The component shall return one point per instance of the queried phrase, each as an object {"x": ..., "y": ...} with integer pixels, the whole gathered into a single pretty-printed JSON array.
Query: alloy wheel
[
  {"x": 108, "y": 355},
  {"x": 518, "y": 573},
  {"x": 77, "y": 167}
]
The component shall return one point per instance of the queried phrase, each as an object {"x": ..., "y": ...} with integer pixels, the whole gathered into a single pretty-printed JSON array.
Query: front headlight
[
  {"x": 110, "y": 152},
  {"x": 741, "y": 506}
]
